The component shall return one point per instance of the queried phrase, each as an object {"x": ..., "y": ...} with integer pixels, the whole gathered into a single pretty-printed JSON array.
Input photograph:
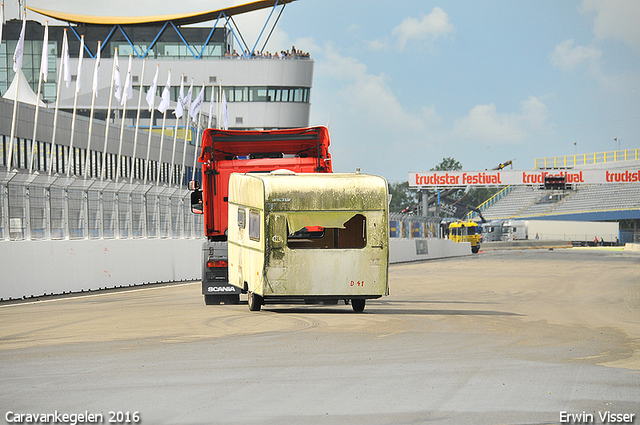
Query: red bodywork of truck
[{"x": 301, "y": 150}]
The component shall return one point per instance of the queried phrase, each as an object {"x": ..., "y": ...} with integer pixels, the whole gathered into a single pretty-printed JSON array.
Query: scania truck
[{"x": 300, "y": 150}]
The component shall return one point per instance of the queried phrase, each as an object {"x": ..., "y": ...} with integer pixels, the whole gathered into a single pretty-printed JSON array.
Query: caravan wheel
[
  {"x": 255, "y": 302},
  {"x": 358, "y": 305}
]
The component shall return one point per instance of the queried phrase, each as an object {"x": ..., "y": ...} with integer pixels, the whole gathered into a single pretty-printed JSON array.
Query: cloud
[
  {"x": 484, "y": 122},
  {"x": 364, "y": 95},
  {"x": 378, "y": 45},
  {"x": 567, "y": 56},
  {"x": 615, "y": 19},
  {"x": 428, "y": 27}
]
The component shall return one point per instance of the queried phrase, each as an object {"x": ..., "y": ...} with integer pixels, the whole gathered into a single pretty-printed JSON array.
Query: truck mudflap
[{"x": 215, "y": 275}]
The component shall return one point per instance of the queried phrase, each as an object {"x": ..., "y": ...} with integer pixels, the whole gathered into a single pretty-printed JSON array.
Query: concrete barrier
[
  {"x": 632, "y": 247},
  {"x": 525, "y": 244},
  {"x": 33, "y": 268},
  {"x": 403, "y": 250}
]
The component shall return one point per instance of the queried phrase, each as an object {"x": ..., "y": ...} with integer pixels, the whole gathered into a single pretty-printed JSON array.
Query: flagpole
[
  {"x": 164, "y": 120},
  {"x": 197, "y": 143},
  {"x": 125, "y": 97},
  {"x": 173, "y": 155},
  {"x": 106, "y": 129},
  {"x": 184, "y": 153},
  {"x": 135, "y": 136},
  {"x": 75, "y": 105},
  {"x": 55, "y": 114},
  {"x": 164, "y": 104},
  {"x": 96, "y": 76},
  {"x": 186, "y": 127},
  {"x": 219, "y": 108},
  {"x": 44, "y": 57},
  {"x": 146, "y": 161},
  {"x": 181, "y": 103},
  {"x": 198, "y": 105},
  {"x": 211, "y": 106},
  {"x": 17, "y": 68},
  {"x": 1, "y": 20},
  {"x": 13, "y": 121}
]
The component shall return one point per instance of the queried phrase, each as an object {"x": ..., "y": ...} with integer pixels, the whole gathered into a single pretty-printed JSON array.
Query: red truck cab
[{"x": 301, "y": 150}]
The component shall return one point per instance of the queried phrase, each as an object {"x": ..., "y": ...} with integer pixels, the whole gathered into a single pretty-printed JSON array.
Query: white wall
[
  {"x": 31, "y": 268},
  {"x": 402, "y": 250}
]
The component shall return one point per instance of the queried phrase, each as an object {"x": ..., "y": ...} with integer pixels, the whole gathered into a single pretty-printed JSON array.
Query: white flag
[
  {"x": 225, "y": 112},
  {"x": 117, "y": 86},
  {"x": 66, "y": 66},
  {"x": 128, "y": 84},
  {"x": 151, "y": 94},
  {"x": 80, "y": 57},
  {"x": 166, "y": 95},
  {"x": 44, "y": 60},
  {"x": 17, "y": 55},
  {"x": 197, "y": 104},
  {"x": 96, "y": 73},
  {"x": 179, "y": 111}
]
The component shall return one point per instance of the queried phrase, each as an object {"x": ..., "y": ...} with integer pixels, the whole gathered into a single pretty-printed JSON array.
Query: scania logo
[{"x": 221, "y": 289}]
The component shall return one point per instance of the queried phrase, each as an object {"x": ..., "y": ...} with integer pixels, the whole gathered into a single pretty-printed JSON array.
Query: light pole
[{"x": 615, "y": 139}]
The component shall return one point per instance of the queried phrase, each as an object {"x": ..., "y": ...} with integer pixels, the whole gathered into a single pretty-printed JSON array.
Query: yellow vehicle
[{"x": 466, "y": 231}]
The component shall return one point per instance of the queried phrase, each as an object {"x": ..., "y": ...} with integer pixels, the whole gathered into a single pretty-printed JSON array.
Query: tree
[
  {"x": 402, "y": 196},
  {"x": 448, "y": 164}
]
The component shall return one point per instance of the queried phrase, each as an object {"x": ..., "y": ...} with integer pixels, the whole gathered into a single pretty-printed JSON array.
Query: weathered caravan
[{"x": 312, "y": 237}]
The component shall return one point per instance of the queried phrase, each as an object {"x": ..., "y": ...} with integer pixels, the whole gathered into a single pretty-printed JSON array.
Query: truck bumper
[{"x": 215, "y": 273}]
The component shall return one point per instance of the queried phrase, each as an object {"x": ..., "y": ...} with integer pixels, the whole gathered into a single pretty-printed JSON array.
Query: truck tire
[
  {"x": 255, "y": 302},
  {"x": 358, "y": 305}
]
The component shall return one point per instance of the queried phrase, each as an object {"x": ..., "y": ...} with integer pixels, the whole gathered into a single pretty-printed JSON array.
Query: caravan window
[
  {"x": 326, "y": 230},
  {"x": 241, "y": 218},
  {"x": 254, "y": 225}
]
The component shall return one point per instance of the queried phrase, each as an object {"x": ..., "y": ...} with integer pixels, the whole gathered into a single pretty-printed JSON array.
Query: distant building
[{"x": 261, "y": 93}]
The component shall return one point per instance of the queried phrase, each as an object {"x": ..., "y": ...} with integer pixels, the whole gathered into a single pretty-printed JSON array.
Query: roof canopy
[
  {"x": 177, "y": 19},
  {"x": 20, "y": 90}
]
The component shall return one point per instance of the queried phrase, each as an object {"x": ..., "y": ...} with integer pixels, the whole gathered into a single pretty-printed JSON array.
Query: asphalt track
[{"x": 504, "y": 337}]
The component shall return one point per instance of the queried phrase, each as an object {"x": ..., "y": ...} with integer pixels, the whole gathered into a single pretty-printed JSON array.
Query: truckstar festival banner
[{"x": 513, "y": 177}]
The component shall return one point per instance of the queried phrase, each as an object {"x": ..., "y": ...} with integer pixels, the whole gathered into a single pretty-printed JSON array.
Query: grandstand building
[
  {"x": 583, "y": 202},
  {"x": 260, "y": 91}
]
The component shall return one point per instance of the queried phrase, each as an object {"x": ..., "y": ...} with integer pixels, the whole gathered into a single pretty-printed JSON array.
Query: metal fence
[
  {"x": 43, "y": 207},
  {"x": 413, "y": 226}
]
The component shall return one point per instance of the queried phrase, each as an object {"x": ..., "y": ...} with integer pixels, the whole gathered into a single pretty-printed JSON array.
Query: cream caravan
[{"x": 311, "y": 237}]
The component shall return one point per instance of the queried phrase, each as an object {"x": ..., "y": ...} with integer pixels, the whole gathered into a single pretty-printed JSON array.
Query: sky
[{"x": 404, "y": 84}]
